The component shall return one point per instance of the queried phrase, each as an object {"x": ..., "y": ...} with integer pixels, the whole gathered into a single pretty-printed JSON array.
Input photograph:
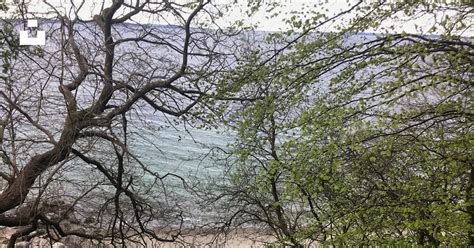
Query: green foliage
[
  {"x": 9, "y": 47},
  {"x": 359, "y": 143}
]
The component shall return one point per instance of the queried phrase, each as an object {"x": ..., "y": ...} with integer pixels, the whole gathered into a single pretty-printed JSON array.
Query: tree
[
  {"x": 360, "y": 139},
  {"x": 71, "y": 112}
]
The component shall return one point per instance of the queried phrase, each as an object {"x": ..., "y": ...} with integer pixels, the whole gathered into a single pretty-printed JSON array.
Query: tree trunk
[{"x": 17, "y": 191}]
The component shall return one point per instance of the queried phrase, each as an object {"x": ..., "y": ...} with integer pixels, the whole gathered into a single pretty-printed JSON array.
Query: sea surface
[{"x": 180, "y": 149}]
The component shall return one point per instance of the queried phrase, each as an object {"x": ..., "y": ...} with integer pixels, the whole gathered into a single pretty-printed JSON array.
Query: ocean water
[{"x": 179, "y": 149}]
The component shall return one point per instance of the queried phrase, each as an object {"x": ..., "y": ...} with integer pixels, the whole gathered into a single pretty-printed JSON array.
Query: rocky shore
[{"x": 236, "y": 239}]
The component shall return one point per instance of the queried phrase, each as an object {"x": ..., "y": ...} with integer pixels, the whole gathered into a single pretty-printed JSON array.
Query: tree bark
[{"x": 16, "y": 192}]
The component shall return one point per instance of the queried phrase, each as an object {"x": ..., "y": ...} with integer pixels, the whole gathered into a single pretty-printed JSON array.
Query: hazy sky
[{"x": 238, "y": 12}]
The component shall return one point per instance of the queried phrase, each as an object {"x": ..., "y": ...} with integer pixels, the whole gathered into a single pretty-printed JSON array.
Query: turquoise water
[{"x": 178, "y": 149}]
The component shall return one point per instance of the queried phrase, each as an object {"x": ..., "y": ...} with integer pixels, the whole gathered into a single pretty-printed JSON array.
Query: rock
[
  {"x": 89, "y": 220},
  {"x": 72, "y": 241},
  {"x": 73, "y": 218},
  {"x": 38, "y": 242},
  {"x": 6, "y": 233},
  {"x": 23, "y": 244},
  {"x": 59, "y": 245}
]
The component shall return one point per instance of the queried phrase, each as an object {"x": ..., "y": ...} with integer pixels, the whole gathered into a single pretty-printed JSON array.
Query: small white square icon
[
  {"x": 32, "y": 23},
  {"x": 40, "y": 38}
]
